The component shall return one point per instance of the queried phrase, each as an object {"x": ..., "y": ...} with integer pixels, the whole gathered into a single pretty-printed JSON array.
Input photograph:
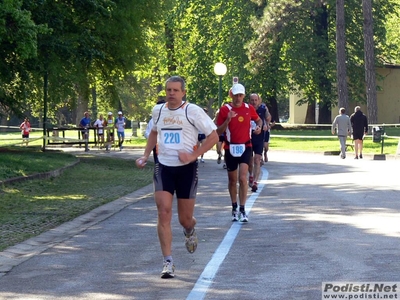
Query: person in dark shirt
[{"x": 359, "y": 123}]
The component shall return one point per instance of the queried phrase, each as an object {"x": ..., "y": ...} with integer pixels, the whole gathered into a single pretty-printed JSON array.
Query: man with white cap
[
  {"x": 120, "y": 125},
  {"x": 234, "y": 119}
]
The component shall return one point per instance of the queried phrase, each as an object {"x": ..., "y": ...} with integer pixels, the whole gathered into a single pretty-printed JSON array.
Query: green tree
[
  {"x": 18, "y": 42},
  {"x": 304, "y": 32}
]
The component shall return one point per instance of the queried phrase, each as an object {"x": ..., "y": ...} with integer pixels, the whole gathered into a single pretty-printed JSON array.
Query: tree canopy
[{"x": 116, "y": 54}]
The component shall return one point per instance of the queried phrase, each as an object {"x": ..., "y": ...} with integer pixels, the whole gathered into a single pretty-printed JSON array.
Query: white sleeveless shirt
[{"x": 178, "y": 130}]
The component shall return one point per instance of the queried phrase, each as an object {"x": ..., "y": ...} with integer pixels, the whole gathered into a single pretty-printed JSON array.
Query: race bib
[
  {"x": 172, "y": 139},
  {"x": 237, "y": 150}
]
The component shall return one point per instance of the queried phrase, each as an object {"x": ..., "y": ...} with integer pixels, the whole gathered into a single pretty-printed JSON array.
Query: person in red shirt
[
  {"x": 234, "y": 119},
  {"x": 25, "y": 128}
]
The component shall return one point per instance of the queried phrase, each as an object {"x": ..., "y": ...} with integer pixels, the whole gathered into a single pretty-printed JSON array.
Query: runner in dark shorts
[
  {"x": 183, "y": 180},
  {"x": 232, "y": 163}
]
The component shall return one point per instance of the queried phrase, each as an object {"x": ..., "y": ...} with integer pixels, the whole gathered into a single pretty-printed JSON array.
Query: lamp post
[{"x": 220, "y": 70}]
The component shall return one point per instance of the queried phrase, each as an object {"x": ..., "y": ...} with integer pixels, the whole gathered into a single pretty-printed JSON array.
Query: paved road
[{"x": 316, "y": 219}]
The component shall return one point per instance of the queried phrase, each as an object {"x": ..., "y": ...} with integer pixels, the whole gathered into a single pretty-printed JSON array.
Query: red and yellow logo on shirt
[{"x": 240, "y": 119}]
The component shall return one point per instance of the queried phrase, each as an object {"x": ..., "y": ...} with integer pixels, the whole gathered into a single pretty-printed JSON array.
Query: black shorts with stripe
[{"x": 182, "y": 179}]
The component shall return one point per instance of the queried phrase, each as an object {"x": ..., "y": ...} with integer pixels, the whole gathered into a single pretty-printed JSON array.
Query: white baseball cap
[
  {"x": 238, "y": 89},
  {"x": 120, "y": 112},
  {"x": 110, "y": 113}
]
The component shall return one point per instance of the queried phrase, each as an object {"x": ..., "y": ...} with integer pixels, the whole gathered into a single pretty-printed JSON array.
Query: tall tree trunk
[
  {"x": 369, "y": 56},
  {"x": 341, "y": 72},
  {"x": 324, "y": 84},
  {"x": 273, "y": 108},
  {"x": 324, "y": 113},
  {"x": 94, "y": 102},
  {"x": 3, "y": 119},
  {"x": 82, "y": 102},
  {"x": 310, "y": 114}
]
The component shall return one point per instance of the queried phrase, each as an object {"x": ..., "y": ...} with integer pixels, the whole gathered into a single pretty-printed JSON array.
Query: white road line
[{"x": 200, "y": 289}]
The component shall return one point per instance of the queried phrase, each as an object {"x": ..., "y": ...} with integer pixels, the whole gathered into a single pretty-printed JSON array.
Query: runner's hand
[
  {"x": 186, "y": 157},
  {"x": 141, "y": 162}
]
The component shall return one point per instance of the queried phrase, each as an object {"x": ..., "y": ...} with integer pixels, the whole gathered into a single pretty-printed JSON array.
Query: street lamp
[{"x": 220, "y": 70}]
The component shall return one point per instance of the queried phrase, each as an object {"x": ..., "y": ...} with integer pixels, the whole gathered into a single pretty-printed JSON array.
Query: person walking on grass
[
  {"x": 234, "y": 119},
  {"x": 342, "y": 127},
  {"x": 85, "y": 124},
  {"x": 175, "y": 129},
  {"x": 359, "y": 122},
  {"x": 109, "y": 126},
  {"x": 120, "y": 123},
  {"x": 25, "y": 128},
  {"x": 99, "y": 124}
]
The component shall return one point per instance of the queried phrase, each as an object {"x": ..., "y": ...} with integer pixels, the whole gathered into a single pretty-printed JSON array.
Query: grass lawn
[
  {"x": 32, "y": 207},
  {"x": 21, "y": 161}
]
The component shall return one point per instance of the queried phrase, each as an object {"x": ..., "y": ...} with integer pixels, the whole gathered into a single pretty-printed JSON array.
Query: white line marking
[{"x": 206, "y": 278}]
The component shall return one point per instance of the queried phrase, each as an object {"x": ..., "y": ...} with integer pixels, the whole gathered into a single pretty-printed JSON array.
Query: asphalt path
[{"x": 314, "y": 219}]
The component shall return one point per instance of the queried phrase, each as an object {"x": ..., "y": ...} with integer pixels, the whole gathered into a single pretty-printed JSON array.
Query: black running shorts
[
  {"x": 258, "y": 147},
  {"x": 183, "y": 180},
  {"x": 266, "y": 136},
  {"x": 232, "y": 162}
]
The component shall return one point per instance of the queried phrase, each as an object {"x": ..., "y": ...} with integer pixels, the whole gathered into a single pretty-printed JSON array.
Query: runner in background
[
  {"x": 234, "y": 119},
  {"x": 257, "y": 140},
  {"x": 25, "y": 128}
]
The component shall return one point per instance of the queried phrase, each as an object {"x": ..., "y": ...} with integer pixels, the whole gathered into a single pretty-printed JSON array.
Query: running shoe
[
  {"x": 254, "y": 187},
  {"x": 224, "y": 166},
  {"x": 202, "y": 160},
  {"x": 235, "y": 216},
  {"x": 361, "y": 155},
  {"x": 251, "y": 179},
  {"x": 190, "y": 241},
  {"x": 243, "y": 217},
  {"x": 168, "y": 270},
  {"x": 219, "y": 158}
]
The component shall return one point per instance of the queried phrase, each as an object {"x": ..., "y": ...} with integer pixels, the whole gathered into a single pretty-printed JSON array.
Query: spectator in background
[
  {"x": 99, "y": 124},
  {"x": 120, "y": 123},
  {"x": 342, "y": 127},
  {"x": 85, "y": 123},
  {"x": 359, "y": 122},
  {"x": 25, "y": 128},
  {"x": 109, "y": 125}
]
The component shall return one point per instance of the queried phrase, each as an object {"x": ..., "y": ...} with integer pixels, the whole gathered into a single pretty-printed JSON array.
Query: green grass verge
[
  {"x": 17, "y": 161},
  {"x": 32, "y": 207},
  {"x": 322, "y": 145}
]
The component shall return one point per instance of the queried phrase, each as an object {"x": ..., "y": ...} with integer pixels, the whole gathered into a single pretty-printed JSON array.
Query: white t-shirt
[
  {"x": 148, "y": 128},
  {"x": 120, "y": 124},
  {"x": 99, "y": 124},
  {"x": 176, "y": 133}
]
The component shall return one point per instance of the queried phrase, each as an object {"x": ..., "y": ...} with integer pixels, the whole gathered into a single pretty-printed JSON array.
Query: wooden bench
[{"x": 349, "y": 146}]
